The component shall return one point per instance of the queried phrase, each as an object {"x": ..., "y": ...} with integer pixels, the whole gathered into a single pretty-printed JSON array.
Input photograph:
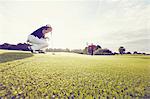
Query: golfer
[{"x": 38, "y": 39}]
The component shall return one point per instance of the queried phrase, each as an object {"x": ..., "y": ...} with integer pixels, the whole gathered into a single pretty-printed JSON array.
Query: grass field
[{"x": 69, "y": 76}]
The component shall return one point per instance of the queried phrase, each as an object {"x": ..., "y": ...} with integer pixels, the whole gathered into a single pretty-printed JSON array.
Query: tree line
[{"x": 89, "y": 49}]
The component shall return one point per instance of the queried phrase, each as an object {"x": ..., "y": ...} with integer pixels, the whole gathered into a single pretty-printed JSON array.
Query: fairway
[{"x": 73, "y": 76}]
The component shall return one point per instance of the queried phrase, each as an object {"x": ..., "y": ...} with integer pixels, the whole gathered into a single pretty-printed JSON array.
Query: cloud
[{"x": 123, "y": 14}]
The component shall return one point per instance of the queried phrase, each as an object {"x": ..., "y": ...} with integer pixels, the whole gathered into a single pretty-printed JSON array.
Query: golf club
[{"x": 52, "y": 44}]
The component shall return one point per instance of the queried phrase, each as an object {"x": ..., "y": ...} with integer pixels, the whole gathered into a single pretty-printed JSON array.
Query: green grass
[{"x": 67, "y": 75}]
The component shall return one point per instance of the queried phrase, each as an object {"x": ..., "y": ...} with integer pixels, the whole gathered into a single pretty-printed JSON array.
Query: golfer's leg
[
  {"x": 36, "y": 40},
  {"x": 37, "y": 43},
  {"x": 43, "y": 46},
  {"x": 39, "y": 46},
  {"x": 35, "y": 47}
]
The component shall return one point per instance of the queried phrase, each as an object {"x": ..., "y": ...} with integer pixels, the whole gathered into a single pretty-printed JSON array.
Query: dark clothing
[{"x": 38, "y": 33}]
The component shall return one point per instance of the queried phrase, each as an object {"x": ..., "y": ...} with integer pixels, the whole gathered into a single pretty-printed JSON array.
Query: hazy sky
[{"x": 109, "y": 23}]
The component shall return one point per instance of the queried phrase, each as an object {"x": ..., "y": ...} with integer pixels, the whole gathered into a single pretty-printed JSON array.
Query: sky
[{"x": 76, "y": 23}]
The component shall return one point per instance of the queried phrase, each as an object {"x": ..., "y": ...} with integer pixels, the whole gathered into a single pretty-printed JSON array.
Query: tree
[
  {"x": 122, "y": 50},
  {"x": 135, "y": 52},
  {"x": 128, "y": 52},
  {"x": 103, "y": 52},
  {"x": 98, "y": 46},
  {"x": 85, "y": 50}
]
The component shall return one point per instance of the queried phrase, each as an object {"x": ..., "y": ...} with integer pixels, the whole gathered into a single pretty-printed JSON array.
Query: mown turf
[{"x": 67, "y": 75}]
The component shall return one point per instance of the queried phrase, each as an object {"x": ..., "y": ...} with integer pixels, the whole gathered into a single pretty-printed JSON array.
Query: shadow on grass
[{"x": 11, "y": 56}]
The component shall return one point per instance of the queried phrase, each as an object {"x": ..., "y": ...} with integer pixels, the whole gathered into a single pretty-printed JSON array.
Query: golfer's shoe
[
  {"x": 41, "y": 51},
  {"x": 34, "y": 52}
]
